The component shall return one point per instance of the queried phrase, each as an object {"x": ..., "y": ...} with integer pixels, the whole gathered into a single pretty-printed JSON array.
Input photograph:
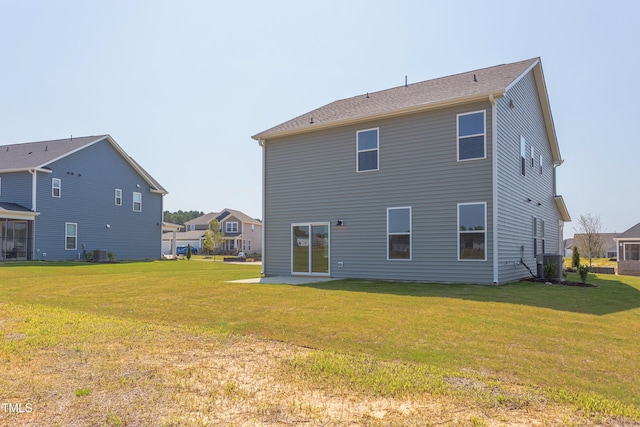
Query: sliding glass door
[{"x": 310, "y": 248}]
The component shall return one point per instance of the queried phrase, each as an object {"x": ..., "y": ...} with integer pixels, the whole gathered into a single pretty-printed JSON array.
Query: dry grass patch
[{"x": 75, "y": 369}]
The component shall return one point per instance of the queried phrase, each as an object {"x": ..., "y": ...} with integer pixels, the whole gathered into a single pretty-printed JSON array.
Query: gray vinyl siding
[
  {"x": 16, "y": 188},
  {"x": 515, "y": 213},
  {"x": 89, "y": 179},
  {"x": 312, "y": 178}
]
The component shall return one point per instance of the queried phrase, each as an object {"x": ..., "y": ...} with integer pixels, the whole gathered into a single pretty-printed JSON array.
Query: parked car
[{"x": 182, "y": 250}]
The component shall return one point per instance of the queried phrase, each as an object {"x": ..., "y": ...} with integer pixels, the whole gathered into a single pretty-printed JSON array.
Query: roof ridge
[{"x": 439, "y": 78}]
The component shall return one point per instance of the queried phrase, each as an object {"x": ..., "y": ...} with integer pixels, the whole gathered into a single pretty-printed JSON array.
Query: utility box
[
  {"x": 100, "y": 256},
  {"x": 543, "y": 260}
]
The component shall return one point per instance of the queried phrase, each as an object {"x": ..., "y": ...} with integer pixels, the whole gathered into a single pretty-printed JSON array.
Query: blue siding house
[
  {"x": 446, "y": 180},
  {"x": 64, "y": 198}
]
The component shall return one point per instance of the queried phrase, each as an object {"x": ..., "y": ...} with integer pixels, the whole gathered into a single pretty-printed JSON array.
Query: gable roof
[
  {"x": 632, "y": 233},
  {"x": 220, "y": 216},
  {"x": 482, "y": 84},
  {"x": 39, "y": 155}
]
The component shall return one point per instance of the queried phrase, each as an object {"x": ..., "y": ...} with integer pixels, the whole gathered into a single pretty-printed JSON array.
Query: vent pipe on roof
[
  {"x": 405, "y": 81},
  {"x": 474, "y": 78}
]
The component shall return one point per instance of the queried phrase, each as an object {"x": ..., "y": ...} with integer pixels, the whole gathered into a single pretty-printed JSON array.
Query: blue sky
[{"x": 182, "y": 86}]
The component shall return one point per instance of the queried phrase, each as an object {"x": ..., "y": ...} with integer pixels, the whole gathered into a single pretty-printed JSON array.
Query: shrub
[
  {"x": 583, "y": 271},
  {"x": 575, "y": 257},
  {"x": 550, "y": 271},
  {"x": 188, "y": 251}
]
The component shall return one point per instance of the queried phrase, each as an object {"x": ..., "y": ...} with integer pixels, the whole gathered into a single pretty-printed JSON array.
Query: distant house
[
  {"x": 628, "y": 251},
  {"x": 63, "y": 198},
  {"x": 608, "y": 249},
  {"x": 447, "y": 180},
  {"x": 241, "y": 232}
]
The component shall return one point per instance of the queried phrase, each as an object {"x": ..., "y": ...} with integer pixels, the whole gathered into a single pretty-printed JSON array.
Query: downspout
[
  {"x": 34, "y": 182},
  {"x": 494, "y": 179},
  {"x": 262, "y": 144}
]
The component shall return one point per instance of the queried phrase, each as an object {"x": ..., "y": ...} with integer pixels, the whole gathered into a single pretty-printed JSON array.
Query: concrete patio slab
[{"x": 284, "y": 280}]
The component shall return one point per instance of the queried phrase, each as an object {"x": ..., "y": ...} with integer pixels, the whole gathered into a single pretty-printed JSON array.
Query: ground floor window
[
  {"x": 399, "y": 233},
  {"x": 71, "y": 236},
  {"x": 472, "y": 231},
  {"x": 632, "y": 251}
]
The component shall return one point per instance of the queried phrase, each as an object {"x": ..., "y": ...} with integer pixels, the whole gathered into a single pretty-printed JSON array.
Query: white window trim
[
  {"x": 0, "y": 186},
  {"x": 67, "y": 236},
  {"x": 227, "y": 224},
  {"x": 55, "y": 187},
  {"x": 358, "y": 151},
  {"x": 134, "y": 201},
  {"x": 118, "y": 197},
  {"x": 484, "y": 135},
  {"x": 401, "y": 234},
  {"x": 473, "y": 231}
]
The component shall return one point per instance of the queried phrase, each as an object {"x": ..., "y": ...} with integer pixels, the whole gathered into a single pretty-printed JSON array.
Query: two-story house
[
  {"x": 64, "y": 198},
  {"x": 241, "y": 232},
  {"x": 447, "y": 180}
]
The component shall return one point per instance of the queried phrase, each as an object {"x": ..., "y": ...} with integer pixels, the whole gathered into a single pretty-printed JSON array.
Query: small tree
[
  {"x": 208, "y": 241},
  {"x": 188, "y": 252},
  {"x": 590, "y": 238},
  {"x": 583, "y": 271},
  {"x": 217, "y": 236},
  {"x": 575, "y": 257}
]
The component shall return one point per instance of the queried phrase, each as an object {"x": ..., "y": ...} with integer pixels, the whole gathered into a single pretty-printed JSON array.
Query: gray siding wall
[
  {"x": 313, "y": 178},
  {"x": 89, "y": 179},
  {"x": 515, "y": 213},
  {"x": 16, "y": 188}
]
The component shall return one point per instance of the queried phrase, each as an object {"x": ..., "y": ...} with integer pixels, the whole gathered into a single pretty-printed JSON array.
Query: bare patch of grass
[{"x": 78, "y": 369}]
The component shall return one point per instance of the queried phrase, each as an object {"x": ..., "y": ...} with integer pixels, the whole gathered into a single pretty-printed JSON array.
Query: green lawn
[{"x": 570, "y": 344}]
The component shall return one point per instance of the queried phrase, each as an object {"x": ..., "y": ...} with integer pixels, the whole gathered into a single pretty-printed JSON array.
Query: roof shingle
[{"x": 422, "y": 95}]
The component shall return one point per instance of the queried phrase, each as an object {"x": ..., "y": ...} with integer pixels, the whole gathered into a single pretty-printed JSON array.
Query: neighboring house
[
  {"x": 608, "y": 249},
  {"x": 241, "y": 232},
  {"x": 61, "y": 199},
  {"x": 447, "y": 180},
  {"x": 628, "y": 248}
]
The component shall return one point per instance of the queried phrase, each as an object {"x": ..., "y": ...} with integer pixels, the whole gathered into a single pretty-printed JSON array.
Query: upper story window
[
  {"x": 56, "y": 187},
  {"x": 471, "y": 136},
  {"x": 367, "y": 150},
  {"x": 137, "y": 202},
  {"x": 399, "y": 233},
  {"x": 472, "y": 231},
  {"x": 523, "y": 153},
  {"x": 0, "y": 186},
  {"x": 533, "y": 156},
  {"x": 118, "y": 197},
  {"x": 231, "y": 227},
  {"x": 70, "y": 236},
  {"x": 540, "y": 163}
]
